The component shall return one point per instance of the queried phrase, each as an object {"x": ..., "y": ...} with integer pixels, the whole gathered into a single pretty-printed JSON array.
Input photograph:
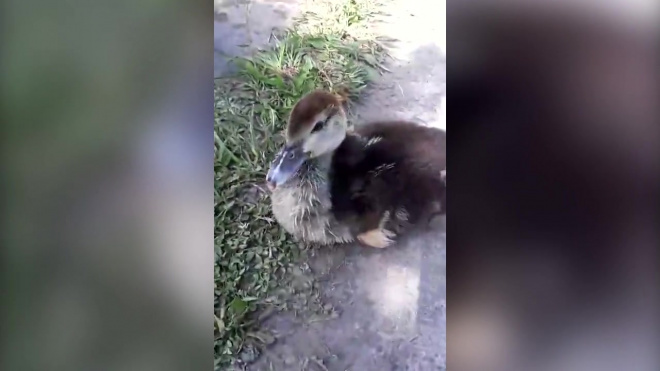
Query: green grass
[{"x": 256, "y": 262}]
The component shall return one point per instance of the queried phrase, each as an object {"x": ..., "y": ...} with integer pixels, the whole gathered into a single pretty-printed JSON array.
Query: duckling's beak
[{"x": 287, "y": 162}]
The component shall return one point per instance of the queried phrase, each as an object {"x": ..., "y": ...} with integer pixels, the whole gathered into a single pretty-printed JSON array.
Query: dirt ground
[{"x": 391, "y": 302}]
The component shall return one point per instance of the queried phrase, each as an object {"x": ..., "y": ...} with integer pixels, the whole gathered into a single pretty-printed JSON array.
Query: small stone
[
  {"x": 289, "y": 360},
  {"x": 249, "y": 354}
]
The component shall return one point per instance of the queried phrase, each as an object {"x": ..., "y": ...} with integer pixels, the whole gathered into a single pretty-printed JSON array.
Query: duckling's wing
[
  {"x": 414, "y": 143},
  {"x": 362, "y": 192},
  {"x": 393, "y": 180},
  {"x": 348, "y": 182}
]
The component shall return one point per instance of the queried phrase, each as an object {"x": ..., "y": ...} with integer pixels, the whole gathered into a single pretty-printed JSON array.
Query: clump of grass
[
  {"x": 346, "y": 17},
  {"x": 256, "y": 262}
]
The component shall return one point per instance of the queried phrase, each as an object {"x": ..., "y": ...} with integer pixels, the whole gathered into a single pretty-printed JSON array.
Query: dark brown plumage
[{"x": 388, "y": 175}]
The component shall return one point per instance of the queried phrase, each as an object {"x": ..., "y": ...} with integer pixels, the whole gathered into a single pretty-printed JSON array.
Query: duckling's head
[{"x": 317, "y": 126}]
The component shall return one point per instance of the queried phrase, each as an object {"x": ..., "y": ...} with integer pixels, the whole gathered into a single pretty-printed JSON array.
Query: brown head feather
[{"x": 305, "y": 111}]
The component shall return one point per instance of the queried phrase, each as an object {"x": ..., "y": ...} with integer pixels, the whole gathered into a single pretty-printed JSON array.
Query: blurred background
[
  {"x": 107, "y": 185},
  {"x": 107, "y": 154},
  {"x": 552, "y": 220}
]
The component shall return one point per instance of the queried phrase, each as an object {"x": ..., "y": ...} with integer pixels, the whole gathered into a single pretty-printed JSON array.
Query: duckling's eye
[
  {"x": 318, "y": 126},
  {"x": 291, "y": 156}
]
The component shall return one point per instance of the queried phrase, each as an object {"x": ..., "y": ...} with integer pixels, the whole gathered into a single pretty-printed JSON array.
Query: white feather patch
[
  {"x": 380, "y": 168},
  {"x": 373, "y": 141},
  {"x": 402, "y": 214}
]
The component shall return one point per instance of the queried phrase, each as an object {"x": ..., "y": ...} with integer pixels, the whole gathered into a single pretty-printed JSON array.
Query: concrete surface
[
  {"x": 242, "y": 26},
  {"x": 391, "y": 302},
  {"x": 416, "y": 87},
  {"x": 392, "y": 311}
]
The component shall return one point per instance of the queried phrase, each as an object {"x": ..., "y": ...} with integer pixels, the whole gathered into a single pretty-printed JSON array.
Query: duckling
[
  {"x": 299, "y": 176},
  {"x": 371, "y": 183}
]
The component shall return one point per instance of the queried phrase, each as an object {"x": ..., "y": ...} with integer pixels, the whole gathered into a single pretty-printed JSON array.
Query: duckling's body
[
  {"x": 371, "y": 185},
  {"x": 388, "y": 177},
  {"x": 303, "y": 206}
]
